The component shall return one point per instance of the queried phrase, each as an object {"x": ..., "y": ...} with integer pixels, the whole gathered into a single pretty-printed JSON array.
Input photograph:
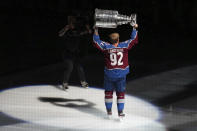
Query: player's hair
[{"x": 114, "y": 38}]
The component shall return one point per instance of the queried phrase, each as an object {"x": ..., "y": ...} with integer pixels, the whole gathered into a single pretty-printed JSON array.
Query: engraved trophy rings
[{"x": 111, "y": 18}]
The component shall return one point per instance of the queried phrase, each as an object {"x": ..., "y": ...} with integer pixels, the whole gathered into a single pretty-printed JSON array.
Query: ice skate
[
  {"x": 109, "y": 115},
  {"x": 84, "y": 84},
  {"x": 121, "y": 116},
  {"x": 65, "y": 86}
]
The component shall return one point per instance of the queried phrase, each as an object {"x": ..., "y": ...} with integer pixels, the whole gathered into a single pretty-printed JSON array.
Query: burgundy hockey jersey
[{"x": 116, "y": 58}]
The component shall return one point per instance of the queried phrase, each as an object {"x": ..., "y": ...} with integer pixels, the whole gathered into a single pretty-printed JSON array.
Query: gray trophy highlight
[{"x": 111, "y": 18}]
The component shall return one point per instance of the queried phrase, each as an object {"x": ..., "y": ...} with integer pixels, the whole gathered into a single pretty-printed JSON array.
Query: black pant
[{"x": 69, "y": 64}]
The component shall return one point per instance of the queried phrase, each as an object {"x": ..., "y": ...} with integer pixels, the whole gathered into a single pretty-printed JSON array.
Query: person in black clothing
[{"x": 72, "y": 34}]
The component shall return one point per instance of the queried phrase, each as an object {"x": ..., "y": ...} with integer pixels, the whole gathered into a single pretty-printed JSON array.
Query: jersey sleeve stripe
[
  {"x": 132, "y": 41},
  {"x": 97, "y": 45}
]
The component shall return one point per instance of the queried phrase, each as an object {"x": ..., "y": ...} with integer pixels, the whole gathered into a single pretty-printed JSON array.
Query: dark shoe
[
  {"x": 65, "y": 86},
  {"x": 84, "y": 84}
]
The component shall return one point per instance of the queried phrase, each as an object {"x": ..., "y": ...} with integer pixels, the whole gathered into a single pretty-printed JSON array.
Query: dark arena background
[{"x": 161, "y": 86}]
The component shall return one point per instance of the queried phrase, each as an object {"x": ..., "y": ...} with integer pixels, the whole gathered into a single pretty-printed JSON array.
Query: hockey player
[{"x": 116, "y": 67}]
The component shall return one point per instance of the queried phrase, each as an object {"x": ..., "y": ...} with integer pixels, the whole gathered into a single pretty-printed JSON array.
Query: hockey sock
[
  {"x": 108, "y": 100},
  {"x": 120, "y": 101}
]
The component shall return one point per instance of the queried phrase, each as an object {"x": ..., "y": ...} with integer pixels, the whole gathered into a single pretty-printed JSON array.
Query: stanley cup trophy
[{"x": 111, "y": 18}]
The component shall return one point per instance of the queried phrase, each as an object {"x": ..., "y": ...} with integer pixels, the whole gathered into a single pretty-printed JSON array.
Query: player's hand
[
  {"x": 95, "y": 27},
  {"x": 135, "y": 26},
  {"x": 95, "y": 30}
]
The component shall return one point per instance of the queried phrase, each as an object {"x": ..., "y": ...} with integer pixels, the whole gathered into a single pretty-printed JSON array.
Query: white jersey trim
[
  {"x": 102, "y": 43},
  {"x": 118, "y": 68},
  {"x": 98, "y": 44}
]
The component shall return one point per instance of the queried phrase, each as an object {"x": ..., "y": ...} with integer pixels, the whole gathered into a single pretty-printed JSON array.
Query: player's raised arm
[
  {"x": 96, "y": 40},
  {"x": 96, "y": 30},
  {"x": 134, "y": 37},
  {"x": 134, "y": 32},
  {"x": 96, "y": 37}
]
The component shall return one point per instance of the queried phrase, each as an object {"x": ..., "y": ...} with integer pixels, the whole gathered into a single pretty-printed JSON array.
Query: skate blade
[
  {"x": 121, "y": 119},
  {"x": 109, "y": 117}
]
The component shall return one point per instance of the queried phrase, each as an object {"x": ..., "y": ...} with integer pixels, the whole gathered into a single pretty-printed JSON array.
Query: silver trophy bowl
[{"x": 111, "y": 18}]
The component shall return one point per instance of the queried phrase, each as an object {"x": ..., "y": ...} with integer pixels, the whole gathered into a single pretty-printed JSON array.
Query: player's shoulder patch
[{"x": 102, "y": 43}]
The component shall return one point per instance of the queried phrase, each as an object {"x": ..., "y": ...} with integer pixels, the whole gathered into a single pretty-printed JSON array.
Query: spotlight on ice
[{"x": 77, "y": 109}]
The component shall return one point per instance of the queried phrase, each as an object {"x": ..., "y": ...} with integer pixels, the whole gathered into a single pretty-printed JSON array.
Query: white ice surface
[{"x": 76, "y": 109}]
